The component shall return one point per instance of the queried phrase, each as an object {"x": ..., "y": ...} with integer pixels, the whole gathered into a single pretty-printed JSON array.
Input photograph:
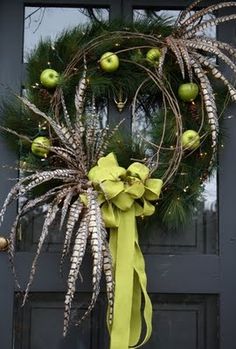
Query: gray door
[{"x": 190, "y": 272}]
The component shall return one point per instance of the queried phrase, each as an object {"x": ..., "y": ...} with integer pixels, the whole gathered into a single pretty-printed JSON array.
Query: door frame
[{"x": 213, "y": 273}]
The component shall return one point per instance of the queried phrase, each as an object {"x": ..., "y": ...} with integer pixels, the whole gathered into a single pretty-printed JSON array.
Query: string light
[
  {"x": 186, "y": 188},
  {"x": 36, "y": 85},
  {"x": 202, "y": 155}
]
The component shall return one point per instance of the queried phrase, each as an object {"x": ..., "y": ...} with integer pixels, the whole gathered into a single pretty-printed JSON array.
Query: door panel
[
  {"x": 184, "y": 322},
  {"x": 38, "y": 324},
  {"x": 199, "y": 236}
]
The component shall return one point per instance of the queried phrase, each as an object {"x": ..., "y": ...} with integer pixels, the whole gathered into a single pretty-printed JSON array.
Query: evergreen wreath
[{"x": 167, "y": 73}]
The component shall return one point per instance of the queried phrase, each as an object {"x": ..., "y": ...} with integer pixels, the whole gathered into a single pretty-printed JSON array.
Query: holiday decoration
[
  {"x": 41, "y": 146},
  {"x": 188, "y": 92},
  {"x": 104, "y": 179},
  {"x": 153, "y": 56},
  {"x": 49, "y": 78},
  {"x": 190, "y": 140},
  {"x": 109, "y": 62}
]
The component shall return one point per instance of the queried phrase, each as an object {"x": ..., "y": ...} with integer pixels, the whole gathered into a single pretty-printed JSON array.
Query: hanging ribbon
[{"x": 124, "y": 195}]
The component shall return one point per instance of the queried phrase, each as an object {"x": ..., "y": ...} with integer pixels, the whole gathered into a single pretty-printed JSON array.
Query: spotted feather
[
  {"x": 76, "y": 260},
  {"x": 203, "y": 26},
  {"x": 73, "y": 218},
  {"x": 210, "y": 106},
  {"x": 96, "y": 233}
]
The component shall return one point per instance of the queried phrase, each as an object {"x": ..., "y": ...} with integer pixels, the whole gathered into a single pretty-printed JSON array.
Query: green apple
[
  {"x": 41, "y": 146},
  {"x": 188, "y": 92},
  {"x": 153, "y": 56},
  {"x": 49, "y": 78},
  {"x": 109, "y": 62},
  {"x": 190, "y": 140}
]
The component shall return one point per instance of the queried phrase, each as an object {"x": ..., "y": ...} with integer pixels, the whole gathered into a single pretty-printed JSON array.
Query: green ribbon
[{"x": 124, "y": 195}]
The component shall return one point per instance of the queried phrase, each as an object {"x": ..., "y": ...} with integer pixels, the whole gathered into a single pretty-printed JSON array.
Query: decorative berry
[
  {"x": 49, "y": 78},
  {"x": 188, "y": 92},
  {"x": 190, "y": 140},
  {"x": 41, "y": 146},
  {"x": 109, "y": 62}
]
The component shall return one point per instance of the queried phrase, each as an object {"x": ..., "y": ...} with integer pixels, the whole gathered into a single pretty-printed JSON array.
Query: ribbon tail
[
  {"x": 130, "y": 286},
  {"x": 139, "y": 266},
  {"x": 136, "y": 315},
  {"x": 139, "y": 292},
  {"x": 123, "y": 259}
]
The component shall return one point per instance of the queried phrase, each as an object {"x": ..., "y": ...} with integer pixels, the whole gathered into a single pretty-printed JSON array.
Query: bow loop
[
  {"x": 153, "y": 189},
  {"x": 112, "y": 188},
  {"x": 135, "y": 190},
  {"x": 138, "y": 170}
]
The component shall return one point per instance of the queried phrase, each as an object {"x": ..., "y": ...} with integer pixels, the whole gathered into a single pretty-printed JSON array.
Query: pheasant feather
[
  {"x": 76, "y": 260},
  {"x": 83, "y": 220},
  {"x": 210, "y": 106},
  {"x": 73, "y": 218}
]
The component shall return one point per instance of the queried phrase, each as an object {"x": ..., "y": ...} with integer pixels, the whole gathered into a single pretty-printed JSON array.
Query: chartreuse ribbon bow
[{"x": 124, "y": 195}]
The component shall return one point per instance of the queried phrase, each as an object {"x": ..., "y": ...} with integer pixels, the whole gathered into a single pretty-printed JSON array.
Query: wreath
[{"x": 103, "y": 178}]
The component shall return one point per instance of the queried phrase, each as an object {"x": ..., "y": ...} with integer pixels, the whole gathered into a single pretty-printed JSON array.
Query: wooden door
[{"x": 190, "y": 272}]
